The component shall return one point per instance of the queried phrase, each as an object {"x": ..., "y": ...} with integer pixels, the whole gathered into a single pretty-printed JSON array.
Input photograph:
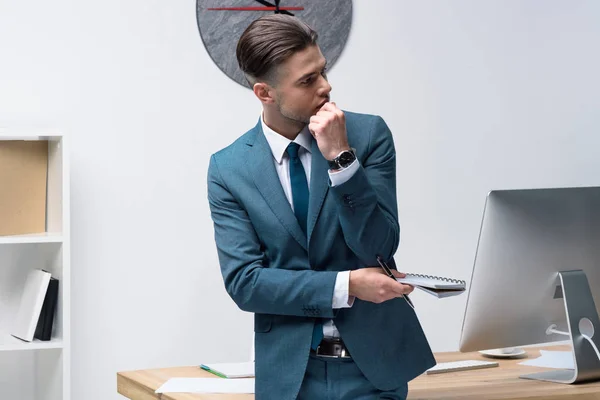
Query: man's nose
[{"x": 325, "y": 87}]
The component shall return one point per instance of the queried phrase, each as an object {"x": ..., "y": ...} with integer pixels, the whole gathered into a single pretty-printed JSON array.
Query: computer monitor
[{"x": 536, "y": 248}]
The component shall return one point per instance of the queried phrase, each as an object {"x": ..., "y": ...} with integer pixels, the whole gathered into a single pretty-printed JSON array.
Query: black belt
[{"x": 332, "y": 348}]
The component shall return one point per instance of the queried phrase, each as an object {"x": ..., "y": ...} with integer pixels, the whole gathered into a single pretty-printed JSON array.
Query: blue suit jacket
[{"x": 286, "y": 278}]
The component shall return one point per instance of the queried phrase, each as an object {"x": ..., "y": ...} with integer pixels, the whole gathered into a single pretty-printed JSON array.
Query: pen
[
  {"x": 204, "y": 367},
  {"x": 389, "y": 273}
]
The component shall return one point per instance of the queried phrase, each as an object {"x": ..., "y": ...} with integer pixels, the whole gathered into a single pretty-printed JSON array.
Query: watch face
[
  {"x": 346, "y": 158},
  {"x": 222, "y": 22}
]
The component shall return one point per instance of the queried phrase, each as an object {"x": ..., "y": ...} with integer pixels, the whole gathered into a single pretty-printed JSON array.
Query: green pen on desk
[{"x": 207, "y": 369}]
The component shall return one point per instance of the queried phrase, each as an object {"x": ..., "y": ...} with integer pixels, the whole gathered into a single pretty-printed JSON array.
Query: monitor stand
[{"x": 582, "y": 319}]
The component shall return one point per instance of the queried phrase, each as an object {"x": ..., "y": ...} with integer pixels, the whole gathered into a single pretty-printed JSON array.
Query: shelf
[
  {"x": 11, "y": 343},
  {"x": 38, "y": 369},
  {"x": 29, "y": 134},
  {"x": 33, "y": 238}
]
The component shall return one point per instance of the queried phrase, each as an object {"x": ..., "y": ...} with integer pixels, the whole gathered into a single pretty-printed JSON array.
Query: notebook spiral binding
[{"x": 439, "y": 278}]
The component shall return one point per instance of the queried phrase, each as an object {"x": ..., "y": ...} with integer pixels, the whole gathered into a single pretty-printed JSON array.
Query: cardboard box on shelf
[{"x": 23, "y": 182}]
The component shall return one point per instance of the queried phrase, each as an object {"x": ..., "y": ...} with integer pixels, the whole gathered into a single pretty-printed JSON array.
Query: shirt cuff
[
  {"x": 340, "y": 177},
  {"x": 341, "y": 297}
]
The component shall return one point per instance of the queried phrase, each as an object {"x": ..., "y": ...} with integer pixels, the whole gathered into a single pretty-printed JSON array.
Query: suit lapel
[
  {"x": 319, "y": 184},
  {"x": 260, "y": 162}
]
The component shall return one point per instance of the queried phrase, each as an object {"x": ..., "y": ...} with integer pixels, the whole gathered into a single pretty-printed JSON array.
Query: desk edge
[{"x": 132, "y": 390}]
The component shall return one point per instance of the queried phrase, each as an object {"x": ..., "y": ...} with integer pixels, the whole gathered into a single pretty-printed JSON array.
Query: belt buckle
[{"x": 343, "y": 352}]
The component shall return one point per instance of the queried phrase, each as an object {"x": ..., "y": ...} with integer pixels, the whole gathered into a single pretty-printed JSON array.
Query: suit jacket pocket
[{"x": 262, "y": 322}]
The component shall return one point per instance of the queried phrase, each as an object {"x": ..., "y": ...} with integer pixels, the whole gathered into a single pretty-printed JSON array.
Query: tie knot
[{"x": 292, "y": 150}]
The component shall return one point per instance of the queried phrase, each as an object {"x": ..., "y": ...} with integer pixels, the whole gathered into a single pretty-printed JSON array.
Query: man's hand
[
  {"x": 328, "y": 127},
  {"x": 371, "y": 284}
]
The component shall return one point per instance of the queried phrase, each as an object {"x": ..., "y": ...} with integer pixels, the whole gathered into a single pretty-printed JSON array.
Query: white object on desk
[
  {"x": 511, "y": 352},
  {"x": 207, "y": 385},
  {"x": 552, "y": 359},
  {"x": 462, "y": 365}
]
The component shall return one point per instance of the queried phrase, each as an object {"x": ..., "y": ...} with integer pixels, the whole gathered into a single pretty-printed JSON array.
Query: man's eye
[{"x": 307, "y": 81}]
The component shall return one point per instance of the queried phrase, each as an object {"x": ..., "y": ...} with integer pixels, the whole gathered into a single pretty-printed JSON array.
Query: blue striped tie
[{"x": 300, "y": 201}]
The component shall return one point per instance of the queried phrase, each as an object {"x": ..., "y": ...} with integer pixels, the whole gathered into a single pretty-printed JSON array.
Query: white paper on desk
[
  {"x": 552, "y": 359},
  {"x": 207, "y": 385}
]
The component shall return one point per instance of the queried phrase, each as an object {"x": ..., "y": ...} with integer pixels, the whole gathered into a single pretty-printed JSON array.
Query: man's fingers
[
  {"x": 325, "y": 114},
  {"x": 331, "y": 107},
  {"x": 409, "y": 289},
  {"x": 398, "y": 274},
  {"x": 406, "y": 289},
  {"x": 317, "y": 119},
  {"x": 398, "y": 288}
]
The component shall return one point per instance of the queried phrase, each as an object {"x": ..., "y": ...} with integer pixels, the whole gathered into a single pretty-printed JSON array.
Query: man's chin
[
  {"x": 303, "y": 119},
  {"x": 299, "y": 118}
]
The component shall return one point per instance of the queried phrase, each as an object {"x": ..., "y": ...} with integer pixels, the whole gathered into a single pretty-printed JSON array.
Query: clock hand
[
  {"x": 266, "y": 3},
  {"x": 276, "y": 6},
  {"x": 281, "y": 9}
]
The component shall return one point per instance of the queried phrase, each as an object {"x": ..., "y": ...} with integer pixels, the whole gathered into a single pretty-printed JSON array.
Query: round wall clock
[{"x": 222, "y": 22}]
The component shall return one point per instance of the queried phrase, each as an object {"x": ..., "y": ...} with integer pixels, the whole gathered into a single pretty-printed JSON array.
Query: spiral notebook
[{"x": 435, "y": 285}]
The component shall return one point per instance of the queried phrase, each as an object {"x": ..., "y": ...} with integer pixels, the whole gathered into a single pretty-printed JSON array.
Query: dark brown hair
[{"x": 268, "y": 42}]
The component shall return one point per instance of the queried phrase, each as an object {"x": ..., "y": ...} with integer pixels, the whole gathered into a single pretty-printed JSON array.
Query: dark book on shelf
[{"x": 43, "y": 330}]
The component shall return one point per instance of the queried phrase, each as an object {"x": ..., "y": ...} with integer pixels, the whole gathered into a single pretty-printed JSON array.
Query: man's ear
[{"x": 264, "y": 92}]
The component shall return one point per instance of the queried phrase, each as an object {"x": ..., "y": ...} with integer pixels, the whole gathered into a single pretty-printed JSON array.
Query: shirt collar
[{"x": 279, "y": 143}]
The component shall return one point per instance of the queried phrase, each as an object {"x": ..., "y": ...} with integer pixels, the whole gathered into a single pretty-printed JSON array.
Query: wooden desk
[{"x": 502, "y": 382}]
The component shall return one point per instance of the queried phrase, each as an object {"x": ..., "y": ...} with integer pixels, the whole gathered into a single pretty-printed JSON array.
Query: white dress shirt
[{"x": 278, "y": 144}]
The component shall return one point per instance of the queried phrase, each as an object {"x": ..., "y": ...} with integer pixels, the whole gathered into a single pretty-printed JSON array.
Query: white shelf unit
[{"x": 38, "y": 370}]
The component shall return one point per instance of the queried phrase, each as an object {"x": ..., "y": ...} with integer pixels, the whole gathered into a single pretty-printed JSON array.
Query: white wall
[{"x": 479, "y": 95}]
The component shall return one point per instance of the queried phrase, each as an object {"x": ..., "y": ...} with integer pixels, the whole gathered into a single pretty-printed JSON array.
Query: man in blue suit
[{"x": 302, "y": 205}]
